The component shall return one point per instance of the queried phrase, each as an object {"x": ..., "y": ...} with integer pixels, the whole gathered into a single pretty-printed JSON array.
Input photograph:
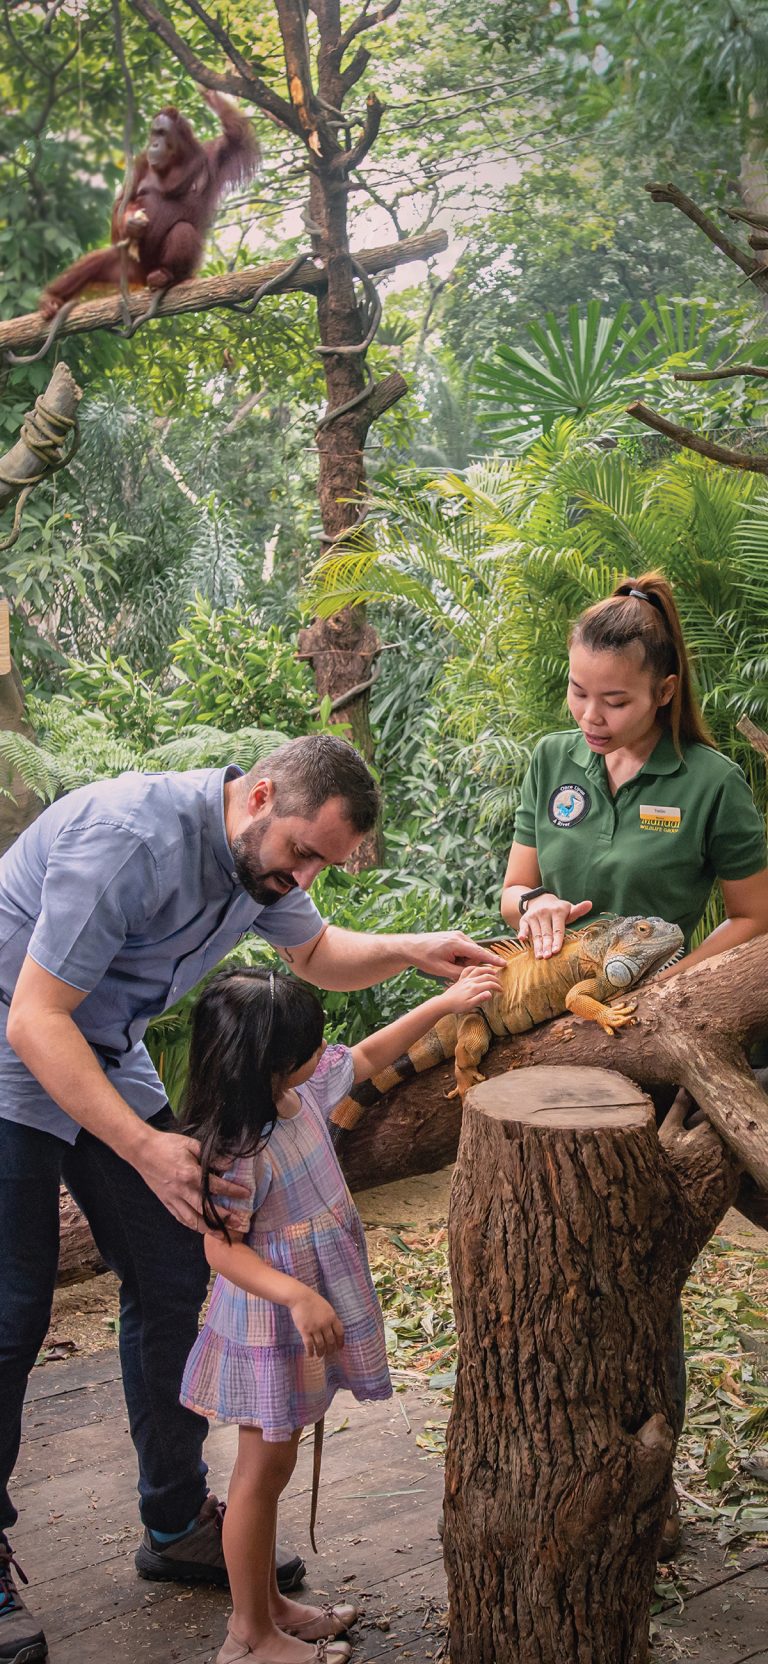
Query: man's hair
[{"x": 307, "y": 772}]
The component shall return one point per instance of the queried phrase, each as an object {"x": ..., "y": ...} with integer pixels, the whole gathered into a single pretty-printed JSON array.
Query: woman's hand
[
  {"x": 545, "y": 920},
  {"x": 321, "y": 1330},
  {"x": 476, "y": 985}
]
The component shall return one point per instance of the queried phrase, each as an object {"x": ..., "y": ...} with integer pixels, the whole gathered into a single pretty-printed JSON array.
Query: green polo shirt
[{"x": 657, "y": 846}]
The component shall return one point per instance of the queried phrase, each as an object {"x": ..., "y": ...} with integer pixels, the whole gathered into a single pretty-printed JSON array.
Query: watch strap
[{"x": 530, "y": 895}]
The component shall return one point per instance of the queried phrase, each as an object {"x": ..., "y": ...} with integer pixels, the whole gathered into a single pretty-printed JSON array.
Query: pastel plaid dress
[{"x": 248, "y": 1364}]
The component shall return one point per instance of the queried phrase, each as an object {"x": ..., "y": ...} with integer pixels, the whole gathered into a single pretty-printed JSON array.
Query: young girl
[
  {"x": 635, "y": 811},
  {"x": 293, "y": 1316}
]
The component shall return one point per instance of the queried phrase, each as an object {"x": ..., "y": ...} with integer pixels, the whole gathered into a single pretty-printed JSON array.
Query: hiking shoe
[
  {"x": 21, "y": 1638},
  {"x": 198, "y": 1556}
]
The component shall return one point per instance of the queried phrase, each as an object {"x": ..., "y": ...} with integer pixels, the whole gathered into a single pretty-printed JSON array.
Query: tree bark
[
  {"x": 692, "y": 1031},
  {"x": 79, "y": 1258},
  {"x": 571, "y": 1234},
  {"x": 44, "y": 439}
]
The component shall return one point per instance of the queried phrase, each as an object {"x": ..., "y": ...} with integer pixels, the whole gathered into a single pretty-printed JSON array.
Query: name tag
[{"x": 656, "y": 817}]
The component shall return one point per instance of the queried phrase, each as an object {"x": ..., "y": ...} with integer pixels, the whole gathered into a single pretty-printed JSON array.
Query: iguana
[{"x": 594, "y": 965}]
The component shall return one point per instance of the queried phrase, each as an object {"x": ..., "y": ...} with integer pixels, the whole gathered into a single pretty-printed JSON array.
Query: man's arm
[
  {"x": 347, "y": 959},
  {"x": 42, "y": 1033}
]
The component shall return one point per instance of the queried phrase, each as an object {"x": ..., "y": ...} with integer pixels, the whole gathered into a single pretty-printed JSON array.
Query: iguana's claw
[{"x": 617, "y": 1016}]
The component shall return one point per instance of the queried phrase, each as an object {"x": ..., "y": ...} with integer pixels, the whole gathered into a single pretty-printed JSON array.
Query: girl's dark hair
[
  {"x": 249, "y": 1028},
  {"x": 642, "y": 610}
]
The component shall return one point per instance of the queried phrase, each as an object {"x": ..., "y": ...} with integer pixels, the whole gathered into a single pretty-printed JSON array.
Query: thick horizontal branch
[
  {"x": 747, "y": 461},
  {"x": 685, "y": 205},
  {"x": 203, "y": 293},
  {"x": 691, "y": 1030}
]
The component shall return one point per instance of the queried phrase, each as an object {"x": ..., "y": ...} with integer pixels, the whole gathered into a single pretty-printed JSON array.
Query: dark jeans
[{"x": 163, "y": 1279}]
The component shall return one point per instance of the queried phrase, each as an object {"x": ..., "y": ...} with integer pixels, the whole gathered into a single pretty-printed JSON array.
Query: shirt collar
[
  {"x": 217, "y": 826},
  {"x": 664, "y": 759}
]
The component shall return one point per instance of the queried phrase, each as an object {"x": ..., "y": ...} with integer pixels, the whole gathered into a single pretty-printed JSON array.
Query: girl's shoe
[
  {"x": 326, "y": 1652},
  {"x": 330, "y": 1621}
]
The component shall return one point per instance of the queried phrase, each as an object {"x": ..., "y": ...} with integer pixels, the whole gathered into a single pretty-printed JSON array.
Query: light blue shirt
[{"x": 126, "y": 890}]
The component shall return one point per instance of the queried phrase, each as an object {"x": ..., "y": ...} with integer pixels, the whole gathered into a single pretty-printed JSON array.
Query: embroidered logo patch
[
  {"x": 568, "y": 805},
  {"x": 655, "y": 817}
]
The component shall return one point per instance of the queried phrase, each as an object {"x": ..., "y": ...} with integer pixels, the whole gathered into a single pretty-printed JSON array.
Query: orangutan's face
[{"x": 163, "y": 146}]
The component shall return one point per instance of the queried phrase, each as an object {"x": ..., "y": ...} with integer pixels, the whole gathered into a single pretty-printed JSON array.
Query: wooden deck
[{"x": 377, "y": 1534}]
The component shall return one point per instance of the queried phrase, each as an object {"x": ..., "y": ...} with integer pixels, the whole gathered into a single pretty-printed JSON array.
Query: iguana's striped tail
[{"x": 438, "y": 1044}]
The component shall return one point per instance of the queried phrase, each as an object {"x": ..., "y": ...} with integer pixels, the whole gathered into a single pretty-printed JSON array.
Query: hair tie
[
  {"x": 642, "y": 595},
  {"x": 272, "y": 986}
]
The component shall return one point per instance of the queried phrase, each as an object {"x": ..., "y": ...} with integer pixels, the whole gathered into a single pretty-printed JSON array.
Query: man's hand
[
  {"x": 169, "y": 1163},
  {"x": 445, "y": 953}
]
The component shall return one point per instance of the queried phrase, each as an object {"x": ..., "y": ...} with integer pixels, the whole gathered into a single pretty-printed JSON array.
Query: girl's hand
[
  {"x": 321, "y": 1330},
  {"x": 545, "y": 920},
  {"x": 476, "y": 985}
]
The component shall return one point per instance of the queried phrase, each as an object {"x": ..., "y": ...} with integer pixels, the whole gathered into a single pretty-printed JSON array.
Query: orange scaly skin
[{"x": 594, "y": 965}]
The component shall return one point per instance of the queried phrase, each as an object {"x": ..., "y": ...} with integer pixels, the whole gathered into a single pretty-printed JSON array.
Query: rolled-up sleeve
[
  {"x": 291, "y": 921},
  {"x": 100, "y": 886}
]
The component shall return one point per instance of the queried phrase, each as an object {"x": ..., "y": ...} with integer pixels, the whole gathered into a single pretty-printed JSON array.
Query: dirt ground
[{"x": 85, "y": 1314}]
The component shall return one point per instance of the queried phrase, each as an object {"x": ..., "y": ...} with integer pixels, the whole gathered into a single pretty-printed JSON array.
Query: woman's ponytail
[{"x": 643, "y": 610}]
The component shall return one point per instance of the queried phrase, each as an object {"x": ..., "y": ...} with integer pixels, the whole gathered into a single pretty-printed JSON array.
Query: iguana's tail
[{"x": 434, "y": 1047}]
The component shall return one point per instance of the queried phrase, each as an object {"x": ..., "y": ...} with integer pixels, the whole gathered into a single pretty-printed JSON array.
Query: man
[{"x": 112, "y": 905}]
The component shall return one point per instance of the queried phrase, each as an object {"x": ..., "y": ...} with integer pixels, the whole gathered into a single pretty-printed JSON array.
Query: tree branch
[
  {"x": 760, "y": 220},
  {"x": 757, "y": 737},
  {"x": 293, "y": 30},
  {"x": 356, "y": 67},
  {"x": 349, "y": 159},
  {"x": 218, "y": 32},
  {"x": 242, "y": 86},
  {"x": 691, "y": 441},
  {"x": 201, "y": 294},
  {"x": 722, "y": 374},
  {"x": 365, "y": 20},
  {"x": 685, "y": 205}
]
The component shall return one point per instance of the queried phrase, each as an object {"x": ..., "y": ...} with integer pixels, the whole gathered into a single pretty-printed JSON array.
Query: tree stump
[
  {"x": 573, "y": 1226},
  {"x": 79, "y": 1258}
]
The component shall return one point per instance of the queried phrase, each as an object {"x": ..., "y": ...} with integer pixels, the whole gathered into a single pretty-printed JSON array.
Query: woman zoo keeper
[{"x": 635, "y": 811}]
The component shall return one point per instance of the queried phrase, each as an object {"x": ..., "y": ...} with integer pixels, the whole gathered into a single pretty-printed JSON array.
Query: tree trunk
[
  {"x": 79, "y": 1258},
  {"x": 571, "y": 1234},
  {"x": 689, "y": 1031}
]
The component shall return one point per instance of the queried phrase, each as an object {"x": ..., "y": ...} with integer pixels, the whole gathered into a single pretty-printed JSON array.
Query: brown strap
[{"x": 317, "y": 1458}]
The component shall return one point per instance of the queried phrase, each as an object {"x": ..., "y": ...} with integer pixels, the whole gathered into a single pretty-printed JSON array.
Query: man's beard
[{"x": 250, "y": 873}]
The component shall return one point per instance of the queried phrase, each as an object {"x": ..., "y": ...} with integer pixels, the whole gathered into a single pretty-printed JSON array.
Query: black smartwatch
[{"x": 530, "y": 895}]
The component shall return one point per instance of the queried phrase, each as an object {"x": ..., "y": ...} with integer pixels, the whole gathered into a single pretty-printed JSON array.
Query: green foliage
[
  {"x": 228, "y": 672},
  {"x": 77, "y": 745},
  {"x": 235, "y": 671},
  {"x": 593, "y": 363},
  {"x": 503, "y": 558}
]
